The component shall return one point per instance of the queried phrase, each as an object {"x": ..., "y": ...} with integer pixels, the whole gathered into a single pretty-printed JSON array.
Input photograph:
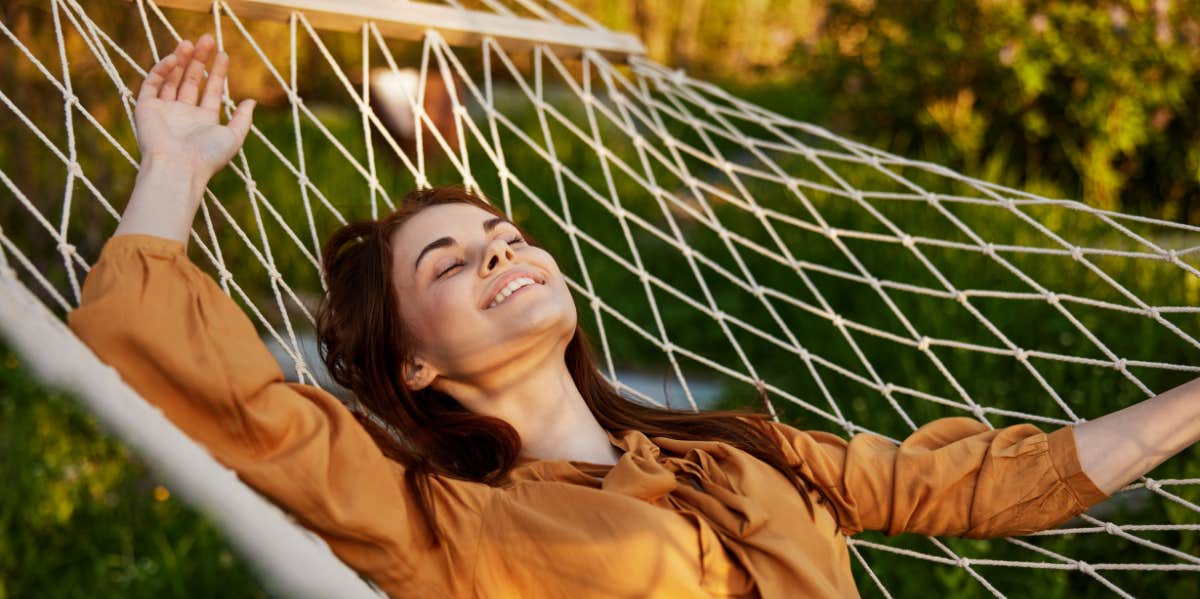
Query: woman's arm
[
  {"x": 1119, "y": 447},
  {"x": 183, "y": 143},
  {"x": 187, "y": 348},
  {"x": 952, "y": 476}
]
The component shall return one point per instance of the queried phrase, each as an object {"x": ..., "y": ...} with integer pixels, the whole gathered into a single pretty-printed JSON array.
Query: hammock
[{"x": 705, "y": 237}]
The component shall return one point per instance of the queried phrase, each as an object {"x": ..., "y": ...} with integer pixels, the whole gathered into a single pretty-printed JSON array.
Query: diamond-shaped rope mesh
[{"x": 709, "y": 241}]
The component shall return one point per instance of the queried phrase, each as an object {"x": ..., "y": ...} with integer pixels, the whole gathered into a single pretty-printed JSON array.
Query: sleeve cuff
[
  {"x": 1065, "y": 456},
  {"x": 151, "y": 243}
]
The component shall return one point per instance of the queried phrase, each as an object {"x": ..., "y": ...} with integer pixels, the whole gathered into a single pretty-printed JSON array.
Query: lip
[{"x": 504, "y": 280}]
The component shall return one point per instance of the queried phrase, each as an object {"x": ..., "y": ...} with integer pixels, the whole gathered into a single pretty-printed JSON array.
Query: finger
[
  {"x": 189, "y": 88},
  {"x": 183, "y": 53},
  {"x": 156, "y": 77},
  {"x": 215, "y": 86},
  {"x": 239, "y": 123}
]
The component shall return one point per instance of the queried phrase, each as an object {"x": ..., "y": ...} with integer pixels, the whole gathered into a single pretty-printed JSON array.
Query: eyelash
[{"x": 516, "y": 239}]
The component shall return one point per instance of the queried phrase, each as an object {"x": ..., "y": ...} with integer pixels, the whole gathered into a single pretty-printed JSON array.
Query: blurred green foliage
[
  {"x": 1089, "y": 100},
  {"x": 81, "y": 516}
]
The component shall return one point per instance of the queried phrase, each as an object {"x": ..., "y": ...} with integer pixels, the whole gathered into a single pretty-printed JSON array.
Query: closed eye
[
  {"x": 514, "y": 240},
  {"x": 452, "y": 267}
]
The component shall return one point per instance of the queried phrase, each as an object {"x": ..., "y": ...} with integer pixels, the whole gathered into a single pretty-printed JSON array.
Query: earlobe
[{"x": 417, "y": 375}]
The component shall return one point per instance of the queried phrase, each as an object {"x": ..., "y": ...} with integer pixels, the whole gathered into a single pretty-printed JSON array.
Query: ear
[{"x": 418, "y": 374}]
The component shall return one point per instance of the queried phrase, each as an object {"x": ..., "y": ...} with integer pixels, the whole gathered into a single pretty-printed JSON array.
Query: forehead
[
  {"x": 460, "y": 221},
  {"x": 443, "y": 218}
]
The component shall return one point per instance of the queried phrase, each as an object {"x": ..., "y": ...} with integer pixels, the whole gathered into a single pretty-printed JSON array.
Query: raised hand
[
  {"x": 176, "y": 123},
  {"x": 182, "y": 140}
]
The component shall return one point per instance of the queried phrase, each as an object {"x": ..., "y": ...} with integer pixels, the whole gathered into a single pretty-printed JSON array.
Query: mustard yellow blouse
[{"x": 671, "y": 519}]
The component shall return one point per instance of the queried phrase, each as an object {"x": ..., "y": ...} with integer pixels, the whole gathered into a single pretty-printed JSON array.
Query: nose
[{"x": 497, "y": 253}]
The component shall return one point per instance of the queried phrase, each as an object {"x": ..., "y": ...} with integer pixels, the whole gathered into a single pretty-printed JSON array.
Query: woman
[{"x": 504, "y": 464}]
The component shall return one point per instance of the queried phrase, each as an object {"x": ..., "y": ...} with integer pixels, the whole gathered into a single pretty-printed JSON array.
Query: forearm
[
  {"x": 1119, "y": 447},
  {"x": 164, "y": 201}
]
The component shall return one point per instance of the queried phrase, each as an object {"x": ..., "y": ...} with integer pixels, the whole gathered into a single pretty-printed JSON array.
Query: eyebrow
[{"x": 442, "y": 242}]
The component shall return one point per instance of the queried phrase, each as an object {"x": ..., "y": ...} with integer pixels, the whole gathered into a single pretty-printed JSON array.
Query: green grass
[{"x": 82, "y": 516}]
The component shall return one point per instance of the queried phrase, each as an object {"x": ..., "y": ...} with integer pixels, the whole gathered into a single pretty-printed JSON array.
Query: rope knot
[
  {"x": 1085, "y": 567},
  {"x": 923, "y": 343},
  {"x": 990, "y": 250},
  {"x": 963, "y": 562},
  {"x": 888, "y": 388},
  {"x": 908, "y": 240},
  {"x": 1153, "y": 485},
  {"x": 225, "y": 274},
  {"x": 1111, "y": 528},
  {"x": 1021, "y": 355},
  {"x": 75, "y": 168},
  {"x": 1052, "y": 298},
  {"x": 1077, "y": 253},
  {"x": 978, "y": 411},
  {"x": 960, "y": 297},
  {"x": 66, "y": 249},
  {"x": 1119, "y": 364}
]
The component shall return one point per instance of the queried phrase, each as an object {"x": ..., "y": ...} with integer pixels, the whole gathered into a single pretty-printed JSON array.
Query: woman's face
[{"x": 449, "y": 261}]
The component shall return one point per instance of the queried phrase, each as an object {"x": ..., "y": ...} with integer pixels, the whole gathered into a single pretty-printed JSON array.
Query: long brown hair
[{"x": 363, "y": 343}]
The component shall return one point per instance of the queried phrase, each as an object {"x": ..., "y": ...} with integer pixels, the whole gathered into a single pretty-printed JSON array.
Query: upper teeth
[{"x": 509, "y": 289}]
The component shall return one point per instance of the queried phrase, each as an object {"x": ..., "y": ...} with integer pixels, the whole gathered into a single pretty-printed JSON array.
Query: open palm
[{"x": 173, "y": 127}]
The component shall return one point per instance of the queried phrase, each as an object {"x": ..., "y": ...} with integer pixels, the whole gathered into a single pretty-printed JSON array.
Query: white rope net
[{"x": 705, "y": 237}]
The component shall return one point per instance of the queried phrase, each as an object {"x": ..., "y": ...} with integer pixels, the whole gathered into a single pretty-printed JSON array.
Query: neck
[{"x": 546, "y": 408}]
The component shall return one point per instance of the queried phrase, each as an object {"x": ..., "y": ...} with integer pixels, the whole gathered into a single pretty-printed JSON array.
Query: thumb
[{"x": 239, "y": 123}]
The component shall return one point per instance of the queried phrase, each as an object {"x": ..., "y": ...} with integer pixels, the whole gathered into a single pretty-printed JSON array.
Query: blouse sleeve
[
  {"x": 951, "y": 477},
  {"x": 185, "y": 346}
]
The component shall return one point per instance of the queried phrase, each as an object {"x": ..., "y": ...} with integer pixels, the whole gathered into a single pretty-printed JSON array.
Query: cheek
[{"x": 444, "y": 304}]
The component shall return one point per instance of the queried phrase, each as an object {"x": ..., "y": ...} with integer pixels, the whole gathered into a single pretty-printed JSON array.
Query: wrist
[
  {"x": 175, "y": 163},
  {"x": 173, "y": 171},
  {"x": 165, "y": 198}
]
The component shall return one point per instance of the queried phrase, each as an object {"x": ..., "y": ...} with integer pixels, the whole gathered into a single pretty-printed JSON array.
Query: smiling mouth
[{"x": 509, "y": 297}]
